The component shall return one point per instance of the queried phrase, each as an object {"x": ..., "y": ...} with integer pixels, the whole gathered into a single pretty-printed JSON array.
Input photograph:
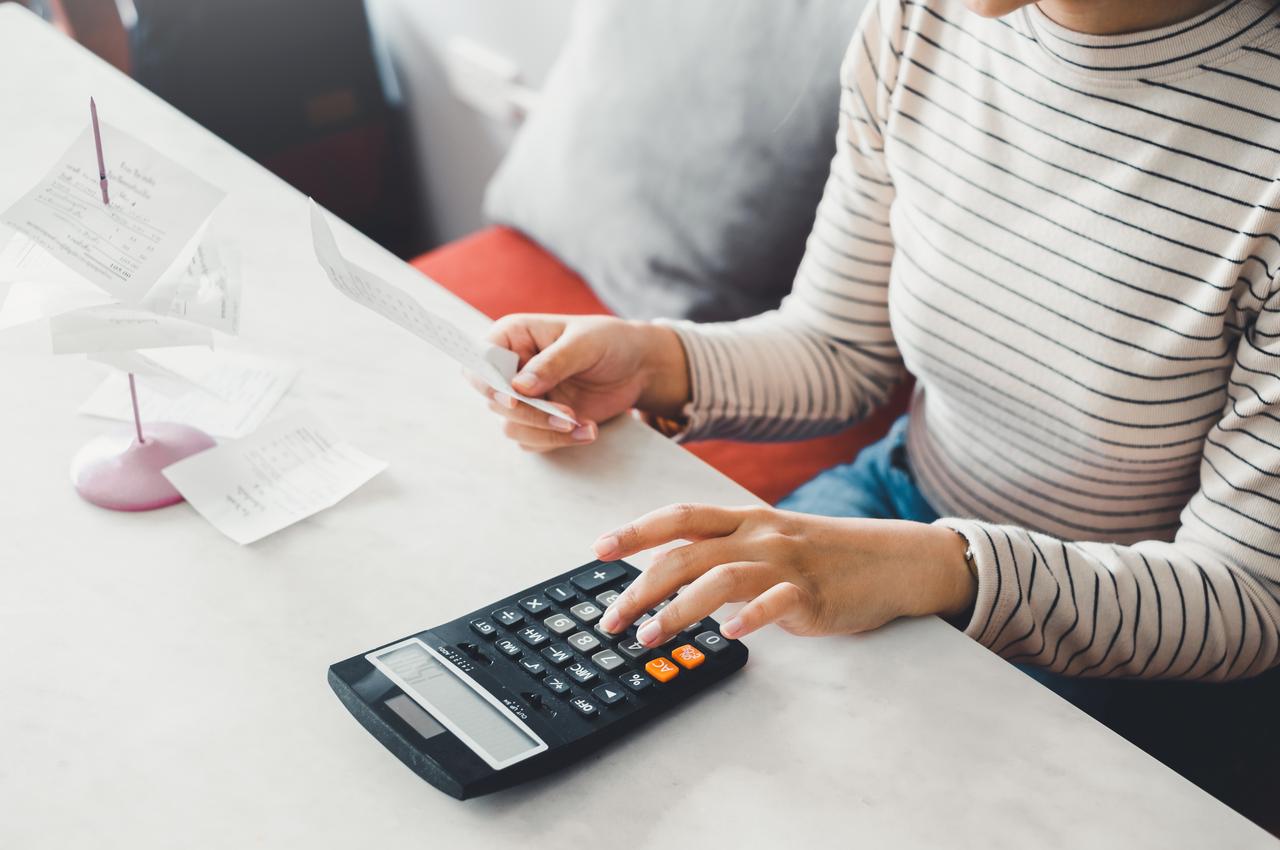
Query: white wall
[{"x": 458, "y": 148}]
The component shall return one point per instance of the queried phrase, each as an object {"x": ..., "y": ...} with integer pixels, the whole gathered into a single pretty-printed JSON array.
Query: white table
[{"x": 163, "y": 687}]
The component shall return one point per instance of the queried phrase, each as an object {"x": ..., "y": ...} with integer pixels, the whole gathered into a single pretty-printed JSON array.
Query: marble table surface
[{"x": 164, "y": 687}]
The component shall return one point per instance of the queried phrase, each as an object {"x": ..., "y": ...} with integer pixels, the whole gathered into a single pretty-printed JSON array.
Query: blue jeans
[{"x": 1223, "y": 737}]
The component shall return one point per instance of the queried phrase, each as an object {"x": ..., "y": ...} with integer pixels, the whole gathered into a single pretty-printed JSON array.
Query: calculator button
[
  {"x": 584, "y": 641},
  {"x": 641, "y": 620},
  {"x": 483, "y": 628},
  {"x": 534, "y": 604},
  {"x": 533, "y": 666},
  {"x": 560, "y": 624},
  {"x": 662, "y": 669},
  {"x": 561, "y": 592},
  {"x": 585, "y": 706},
  {"x": 508, "y": 647},
  {"x": 711, "y": 642},
  {"x": 688, "y": 656},
  {"x": 557, "y": 683},
  {"x": 508, "y": 616},
  {"x": 632, "y": 648},
  {"x": 608, "y": 694},
  {"x": 607, "y": 635},
  {"x": 533, "y": 636},
  {"x": 693, "y": 627},
  {"x": 606, "y": 660},
  {"x": 587, "y": 612},
  {"x": 607, "y": 598},
  {"x": 598, "y": 576},
  {"x": 636, "y": 681},
  {"x": 557, "y": 655},
  {"x": 581, "y": 672},
  {"x": 656, "y": 608}
]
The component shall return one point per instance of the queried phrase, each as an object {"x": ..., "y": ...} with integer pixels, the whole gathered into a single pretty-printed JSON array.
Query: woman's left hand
[{"x": 811, "y": 575}]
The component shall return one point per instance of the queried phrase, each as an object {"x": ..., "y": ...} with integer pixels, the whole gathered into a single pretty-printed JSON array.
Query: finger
[
  {"x": 732, "y": 582},
  {"x": 674, "y": 522},
  {"x": 523, "y": 414},
  {"x": 558, "y": 362},
  {"x": 544, "y": 440},
  {"x": 525, "y": 333},
  {"x": 481, "y": 387},
  {"x": 785, "y": 604},
  {"x": 669, "y": 571}
]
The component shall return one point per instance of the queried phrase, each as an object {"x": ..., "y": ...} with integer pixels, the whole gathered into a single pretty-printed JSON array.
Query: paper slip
[
  {"x": 158, "y": 376},
  {"x": 286, "y": 472},
  {"x": 495, "y": 366},
  {"x": 207, "y": 291},
  {"x": 157, "y": 206},
  {"x": 115, "y": 327},
  {"x": 228, "y": 394}
]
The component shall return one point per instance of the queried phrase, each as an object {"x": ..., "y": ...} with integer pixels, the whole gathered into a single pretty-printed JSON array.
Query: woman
[{"x": 1062, "y": 218}]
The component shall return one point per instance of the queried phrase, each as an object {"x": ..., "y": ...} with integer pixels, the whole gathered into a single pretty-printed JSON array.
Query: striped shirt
[{"x": 1073, "y": 243}]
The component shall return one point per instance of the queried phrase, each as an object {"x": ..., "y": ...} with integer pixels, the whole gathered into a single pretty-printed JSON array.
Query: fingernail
[
  {"x": 504, "y": 400},
  {"x": 611, "y": 621},
  {"x": 560, "y": 424},
  {"x": 731, "y": 629},
  {"x": 649, "y": 633},
  {"x": 583, "y": 433},
  {"x": 525, "y": 381},
  {"x": 606, "y": 546}
]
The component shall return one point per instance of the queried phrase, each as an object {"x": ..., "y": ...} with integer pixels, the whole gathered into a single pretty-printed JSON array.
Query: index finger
[{"x": 674, "y": 522}]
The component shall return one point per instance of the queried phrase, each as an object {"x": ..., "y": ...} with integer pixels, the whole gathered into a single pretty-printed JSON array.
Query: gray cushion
[{"x": 680, "y": 149}]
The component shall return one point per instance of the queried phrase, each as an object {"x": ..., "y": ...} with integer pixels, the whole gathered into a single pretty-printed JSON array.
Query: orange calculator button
[
  {"x": 662, "y": 669},
  {"x": 688, "y": 656}
]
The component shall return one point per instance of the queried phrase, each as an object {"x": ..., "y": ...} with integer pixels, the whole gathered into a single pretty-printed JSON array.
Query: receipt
[
  {"x": 157, "y": 207},
  {"x": 224, "y": 393},
  {"x": 495, "y": 366},
  {"x": 285, "y": 472}
]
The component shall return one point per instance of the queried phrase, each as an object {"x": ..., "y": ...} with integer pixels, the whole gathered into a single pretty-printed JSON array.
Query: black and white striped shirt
[{"x": 1073, "y": 242}]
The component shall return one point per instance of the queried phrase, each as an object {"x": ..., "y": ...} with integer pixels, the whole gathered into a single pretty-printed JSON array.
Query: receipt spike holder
[{"x": 121, "y": 470}]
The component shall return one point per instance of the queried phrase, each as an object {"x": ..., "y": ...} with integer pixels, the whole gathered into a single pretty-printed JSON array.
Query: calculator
[{"x": 527, "y": 684}]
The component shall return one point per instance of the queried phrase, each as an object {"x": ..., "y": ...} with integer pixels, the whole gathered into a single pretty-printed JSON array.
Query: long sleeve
[
  {"x": 1205, "y": 606},
  {"x": 827, "y": 356}
]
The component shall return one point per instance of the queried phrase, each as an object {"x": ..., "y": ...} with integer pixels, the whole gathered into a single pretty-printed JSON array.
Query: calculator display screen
[{"x": 471, "y": 714}]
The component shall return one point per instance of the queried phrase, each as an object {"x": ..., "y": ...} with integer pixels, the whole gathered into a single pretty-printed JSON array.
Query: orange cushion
[{"x": 499, "y": 271}]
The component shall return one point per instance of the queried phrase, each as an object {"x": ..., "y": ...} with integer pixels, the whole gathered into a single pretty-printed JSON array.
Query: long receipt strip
[
  {"x": 157, "y": 207},
  {"x": 285, "y": 472},
  {"x": 227, "y": 394},
  {"x": 495, "y": 366}
]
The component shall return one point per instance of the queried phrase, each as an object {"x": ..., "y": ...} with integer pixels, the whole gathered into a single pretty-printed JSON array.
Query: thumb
[{"x": 558, "y": 362}]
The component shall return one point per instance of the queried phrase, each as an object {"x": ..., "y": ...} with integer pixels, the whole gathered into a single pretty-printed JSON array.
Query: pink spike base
[{"x": 117, "y": 471}]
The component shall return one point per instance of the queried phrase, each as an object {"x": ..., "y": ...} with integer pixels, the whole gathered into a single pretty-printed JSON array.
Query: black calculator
[{"x": 525, "y": 685}]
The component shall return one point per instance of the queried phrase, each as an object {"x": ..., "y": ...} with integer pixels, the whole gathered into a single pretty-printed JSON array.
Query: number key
[
  {"x": 632, "y": 648},
  {"x": 584, "y": 641},
  {"x": 587, "y": 612},
  {"x": 607, "y": 598},
  {"x": 560, "y": 624},
  {"x": 711, "y": 642},
  {"x": 606, "y": 660}
]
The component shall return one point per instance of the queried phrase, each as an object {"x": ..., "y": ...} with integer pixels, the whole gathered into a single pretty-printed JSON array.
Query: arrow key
[{"x": 608, "y": 694}]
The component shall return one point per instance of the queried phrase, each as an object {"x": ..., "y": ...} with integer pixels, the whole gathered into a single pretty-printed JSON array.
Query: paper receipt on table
[
  {"x": 156, "y": 208},
  {"x": 495, "y": 366},
  {"x": 285, "y": 472}
]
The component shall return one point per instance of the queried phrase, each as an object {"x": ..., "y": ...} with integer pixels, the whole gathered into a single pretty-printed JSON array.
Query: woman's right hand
[{"x": 594, "y": 367}]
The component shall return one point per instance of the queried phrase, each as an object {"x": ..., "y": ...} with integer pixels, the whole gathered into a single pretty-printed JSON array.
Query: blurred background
[{"x": 392, "y": 113}]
